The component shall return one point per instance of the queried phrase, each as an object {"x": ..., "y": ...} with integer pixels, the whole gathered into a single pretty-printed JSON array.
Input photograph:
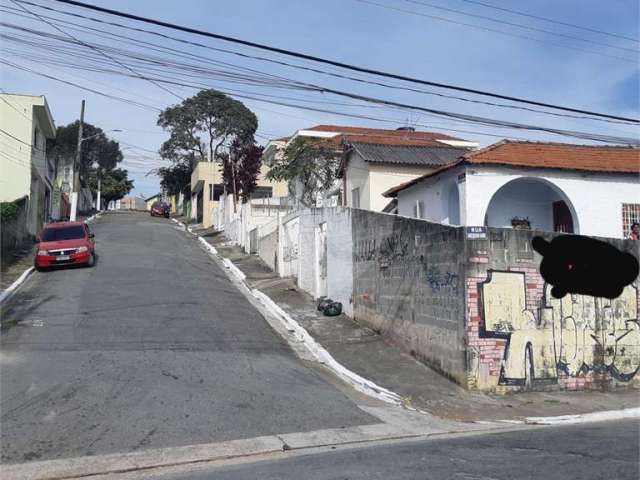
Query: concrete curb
[
  {"x": 607, "y": 415},
  {"x": 323, "y": 356},
  {"x": 250, "y": 449},
  {"x": 11, "y": 289},
  {"x": 93, "y": 217}
]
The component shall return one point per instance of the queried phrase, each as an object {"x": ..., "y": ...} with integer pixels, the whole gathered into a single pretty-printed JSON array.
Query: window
[
  {"x": 630, "y": 214},
  {"x": 262, "y": 192},
  {"x": 36, "y": 138},
  {"x": 63, "y": 233},
  {"x": 355, "y": 198}
]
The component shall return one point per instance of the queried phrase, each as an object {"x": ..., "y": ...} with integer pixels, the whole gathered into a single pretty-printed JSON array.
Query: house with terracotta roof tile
[
  {"x": 374, "y": 160},
  {"x": 585, "y": 189}
]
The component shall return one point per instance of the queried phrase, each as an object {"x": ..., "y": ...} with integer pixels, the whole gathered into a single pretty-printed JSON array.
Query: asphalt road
[
  {"x": 596, "y": 451},
  {"x": 153, "y": 347}
]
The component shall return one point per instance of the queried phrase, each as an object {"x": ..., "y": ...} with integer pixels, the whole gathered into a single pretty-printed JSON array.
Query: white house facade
[{"x": 569, "y": 188}]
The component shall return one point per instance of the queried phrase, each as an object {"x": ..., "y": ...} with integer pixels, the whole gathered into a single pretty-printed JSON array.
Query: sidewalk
[{"x": 373, "y": 356}]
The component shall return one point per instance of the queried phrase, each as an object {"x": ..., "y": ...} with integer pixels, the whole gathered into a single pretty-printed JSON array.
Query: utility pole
[
  {"x": 98, "y": 198},
  {"x": 76, "y": 169}
]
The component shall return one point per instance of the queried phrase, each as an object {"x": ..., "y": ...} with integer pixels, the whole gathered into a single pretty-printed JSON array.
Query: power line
[
  {"x": 93, "y": 48},
  {"x": 482, "y": 102},
  {"x": 520, "y": 25},
  {"x": 492, "y": 30},
  {"x": 97, "y": 92},
  {"x": 551, "y": 20},
  {"x": 339, "y": 64}
]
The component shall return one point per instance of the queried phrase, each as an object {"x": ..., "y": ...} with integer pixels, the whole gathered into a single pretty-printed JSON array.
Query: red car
[
  {"x": 65, "y": 243},
  {"x": 160, "y": 209}
]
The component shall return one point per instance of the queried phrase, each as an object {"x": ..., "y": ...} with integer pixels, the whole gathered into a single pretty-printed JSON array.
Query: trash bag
[
  {"x": 323, "y": 303},
  {"x": 333, "y": 309}
]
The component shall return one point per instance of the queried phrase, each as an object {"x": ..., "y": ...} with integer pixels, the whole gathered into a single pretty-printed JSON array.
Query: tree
[
  {"x": 203, "y": 128},
  {"x": 240, "y": 175},
  {"x": 176, "y": 179},
  {"x": 114, "y": 184},
  {"x": 313, "y": 164},
  {"x": 96, "y": 148}
]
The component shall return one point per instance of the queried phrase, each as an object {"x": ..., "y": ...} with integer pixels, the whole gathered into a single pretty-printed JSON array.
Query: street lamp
[{"x": 76, "y": 166}]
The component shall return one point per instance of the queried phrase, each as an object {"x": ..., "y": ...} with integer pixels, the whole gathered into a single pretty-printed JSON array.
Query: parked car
[
  {"x": 160, "y": 209},
  {"x": 65, "y": 243}
]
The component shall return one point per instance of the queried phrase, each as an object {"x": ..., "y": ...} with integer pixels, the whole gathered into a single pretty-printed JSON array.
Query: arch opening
[{"x": 532, "y": 204}]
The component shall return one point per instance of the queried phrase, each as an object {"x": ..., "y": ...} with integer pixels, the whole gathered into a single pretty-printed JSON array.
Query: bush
[{"x": 8, "y": 211}]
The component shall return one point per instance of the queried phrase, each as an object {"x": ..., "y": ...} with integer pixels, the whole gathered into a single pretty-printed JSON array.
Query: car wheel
[
  {"x": 92, "y": 260},
  {"x": 38, "y": 267}
]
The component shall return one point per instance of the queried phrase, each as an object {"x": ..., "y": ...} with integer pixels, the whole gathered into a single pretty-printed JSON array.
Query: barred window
[{"x": 630, "y": 214}]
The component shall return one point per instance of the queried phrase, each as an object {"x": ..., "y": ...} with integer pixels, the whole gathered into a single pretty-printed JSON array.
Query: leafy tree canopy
[
  {"x": 308, "y": 164},
  {"x": 96, "y": 148},
  {"x": 176, "y": 179},
  {"x": 203, "y": 126},
  {"x": 115, "y": 183},
  {"x": 241, "y": 173}
]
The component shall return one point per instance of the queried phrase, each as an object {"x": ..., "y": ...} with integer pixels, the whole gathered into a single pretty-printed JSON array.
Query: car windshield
[{"x": 62, "y": 233}]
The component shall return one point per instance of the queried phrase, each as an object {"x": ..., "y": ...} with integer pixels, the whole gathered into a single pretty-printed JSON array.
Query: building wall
[
  {"x": 384, "y": 176},
  {"x": 357, "y": 176},
  {"x": 597, "y": 198},
  {"x": 340, "y": 257},
  {"x": 408, "y": 282},
  {"x": 15, "y": 161},
  {"x": 434, "y": 193},
  {"x": 575, "y": 343}
]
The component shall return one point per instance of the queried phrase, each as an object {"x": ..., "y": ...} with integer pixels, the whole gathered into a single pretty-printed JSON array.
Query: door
[
  {"x": 321, "y": 260},
  {"x": 562, "y": 219},
  {"x": 200, "y": 207}
]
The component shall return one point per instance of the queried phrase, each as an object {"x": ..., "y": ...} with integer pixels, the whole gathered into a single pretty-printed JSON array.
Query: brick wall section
[{"x": 502, "y": 251}]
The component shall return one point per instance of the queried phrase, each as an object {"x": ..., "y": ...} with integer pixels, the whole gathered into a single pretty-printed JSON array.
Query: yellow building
[
  {"x": 26, "y": 123},
  {"x": 207, "y": 187},
  {"x": 148, "y": 202}
]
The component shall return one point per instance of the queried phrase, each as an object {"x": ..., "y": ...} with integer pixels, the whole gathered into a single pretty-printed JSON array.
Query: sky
[{"x": 370, "y": 33}]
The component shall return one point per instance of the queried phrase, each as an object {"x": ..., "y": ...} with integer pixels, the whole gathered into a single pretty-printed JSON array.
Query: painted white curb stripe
[
  {"x": 585, "y": 417},
  {"x": 239, "y": 274},
  {"x": 208, "y": 246},
  {"x": 323, "y": 356},
  {"x": 14, "y": 286}
]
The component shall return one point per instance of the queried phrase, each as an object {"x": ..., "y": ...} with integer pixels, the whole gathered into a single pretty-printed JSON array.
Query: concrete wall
[
  {"x": 436, "y": 198},
  {"x": 357, "y": 176},
  {"x": 596, "y": 198},
  {"x": 409, "y": 283},
  {"x": 268, "y": 249},
  {"x": 519, "y": 336},
  {"x": 384, "y": 176}
]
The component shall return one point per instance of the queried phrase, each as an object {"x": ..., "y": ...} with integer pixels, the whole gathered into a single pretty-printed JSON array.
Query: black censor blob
[{"x": 585, "y": 266}]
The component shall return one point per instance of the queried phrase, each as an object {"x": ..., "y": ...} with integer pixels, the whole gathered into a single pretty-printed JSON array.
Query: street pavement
[
  {"x": 153, "y": 347},
  {"x": 584, "y": 452}
]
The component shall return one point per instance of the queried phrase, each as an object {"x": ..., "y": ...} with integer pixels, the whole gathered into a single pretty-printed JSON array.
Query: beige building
[
  {"x": 25, "y": 125},
  {"x": 207, "y": 187},
  {"x": 375, "y": 160}
]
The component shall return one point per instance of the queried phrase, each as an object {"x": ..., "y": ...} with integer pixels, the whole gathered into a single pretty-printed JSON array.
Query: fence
[{"x": 471, "y": 305}]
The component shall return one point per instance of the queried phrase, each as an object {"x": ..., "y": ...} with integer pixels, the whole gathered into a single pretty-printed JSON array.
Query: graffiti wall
[
  {"x": 408, "y": 283},
  {"x": 520, "y": 337}
]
